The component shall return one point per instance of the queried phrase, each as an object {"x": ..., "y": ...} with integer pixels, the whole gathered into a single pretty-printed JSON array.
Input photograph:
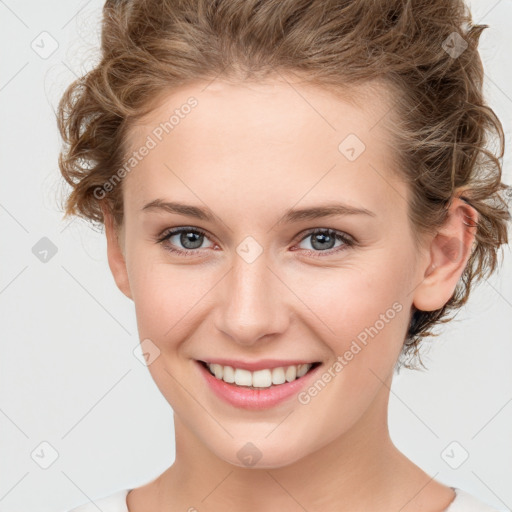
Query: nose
[{"x": 252, "y": 302}]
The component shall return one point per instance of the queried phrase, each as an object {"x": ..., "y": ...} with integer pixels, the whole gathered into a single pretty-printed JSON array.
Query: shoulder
[
  {"x": 115, "y": 502},
  {"x": 465, "y": 502}
]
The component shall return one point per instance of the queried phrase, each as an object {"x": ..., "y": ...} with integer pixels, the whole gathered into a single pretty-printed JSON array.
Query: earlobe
[
  {"x": 450, "y": 251},
  {"x": 116, "y": 259}
]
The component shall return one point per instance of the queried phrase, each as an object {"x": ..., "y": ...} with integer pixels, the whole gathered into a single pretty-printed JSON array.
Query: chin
[{"x": 261, "y": 455}]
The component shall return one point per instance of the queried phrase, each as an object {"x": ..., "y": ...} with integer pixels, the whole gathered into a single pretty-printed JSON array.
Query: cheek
[
  {"x": 168, "y": 299},
  {"x": 361, "y": 315},
  {"x": 361, "y": 310}
]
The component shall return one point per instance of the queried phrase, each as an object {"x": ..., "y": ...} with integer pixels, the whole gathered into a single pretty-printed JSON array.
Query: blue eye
[
  {"x": 190, "y": 238},
  {"x": 321, "y": 240}
]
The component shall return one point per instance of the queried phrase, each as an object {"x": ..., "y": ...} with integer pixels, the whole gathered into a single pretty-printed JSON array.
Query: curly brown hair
[{"x": 426, "y": 51}]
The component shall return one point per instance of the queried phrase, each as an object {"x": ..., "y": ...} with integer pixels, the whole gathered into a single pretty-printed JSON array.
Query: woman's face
[{"x": 258, "y": 285}]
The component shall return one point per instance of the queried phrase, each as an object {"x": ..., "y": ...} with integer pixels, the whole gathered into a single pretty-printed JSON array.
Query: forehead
[{"x": 275, "y": 140}]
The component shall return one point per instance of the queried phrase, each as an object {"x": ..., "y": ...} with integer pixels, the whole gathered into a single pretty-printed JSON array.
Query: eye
[
  {"x": 190, "y": 238},
  {"x": 323, "y": 240}
]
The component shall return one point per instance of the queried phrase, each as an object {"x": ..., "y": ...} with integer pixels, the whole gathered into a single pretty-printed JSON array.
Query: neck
[{"x": 359, "y": 470}]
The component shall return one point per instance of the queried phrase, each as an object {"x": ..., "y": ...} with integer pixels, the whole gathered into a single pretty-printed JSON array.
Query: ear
[
  {"x": 115, "y": 254},
  {"x": 449, "y": 252}
]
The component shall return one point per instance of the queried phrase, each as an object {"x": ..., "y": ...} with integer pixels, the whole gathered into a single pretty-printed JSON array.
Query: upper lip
[{"x": 257, "y": 365}]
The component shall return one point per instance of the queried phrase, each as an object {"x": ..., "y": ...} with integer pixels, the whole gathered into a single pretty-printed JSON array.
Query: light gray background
[{"x": 68, "y": 373}]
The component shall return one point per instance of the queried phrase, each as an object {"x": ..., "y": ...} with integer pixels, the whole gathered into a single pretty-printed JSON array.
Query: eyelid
[
  {"x": 310, "y": 231},
  {"x": 178, "y": 229}
]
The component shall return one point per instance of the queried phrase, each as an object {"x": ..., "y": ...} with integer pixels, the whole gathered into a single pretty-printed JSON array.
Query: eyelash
[{"x": 338, "y": 235}]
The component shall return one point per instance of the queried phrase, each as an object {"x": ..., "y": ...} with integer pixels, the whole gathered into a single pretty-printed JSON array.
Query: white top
[{"x": 463, "y": 502}]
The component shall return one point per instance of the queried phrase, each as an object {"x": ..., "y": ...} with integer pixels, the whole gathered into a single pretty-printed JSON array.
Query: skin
[{"x": 249, "y": 153}]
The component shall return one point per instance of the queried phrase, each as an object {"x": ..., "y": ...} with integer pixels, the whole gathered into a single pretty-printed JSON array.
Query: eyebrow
[{"x": 291, "y": 215}]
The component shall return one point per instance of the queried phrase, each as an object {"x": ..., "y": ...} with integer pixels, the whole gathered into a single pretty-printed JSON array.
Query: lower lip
[{"x": 254, "y": 399}]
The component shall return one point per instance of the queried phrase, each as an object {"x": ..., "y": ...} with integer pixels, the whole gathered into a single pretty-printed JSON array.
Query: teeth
[
  {"x": 217, "y": 370},
  {"x": 291, "y": 373},
  {"x": 228, "y": 374},
  {"x": 302, "y": 370},
  {"x": 278, "y": 376},
  {"x": 243, "y": 378},
  {"x": 261, "y": 378}
]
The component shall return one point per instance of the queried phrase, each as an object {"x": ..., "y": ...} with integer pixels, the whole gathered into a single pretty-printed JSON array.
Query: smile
[{"x": 267, "y": 386}]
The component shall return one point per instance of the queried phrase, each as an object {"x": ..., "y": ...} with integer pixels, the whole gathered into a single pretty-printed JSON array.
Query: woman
[{"x": 294, "y": 194}]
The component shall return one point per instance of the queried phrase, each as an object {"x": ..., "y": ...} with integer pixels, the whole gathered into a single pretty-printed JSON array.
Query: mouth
[{"x": 269, "y": 377}]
